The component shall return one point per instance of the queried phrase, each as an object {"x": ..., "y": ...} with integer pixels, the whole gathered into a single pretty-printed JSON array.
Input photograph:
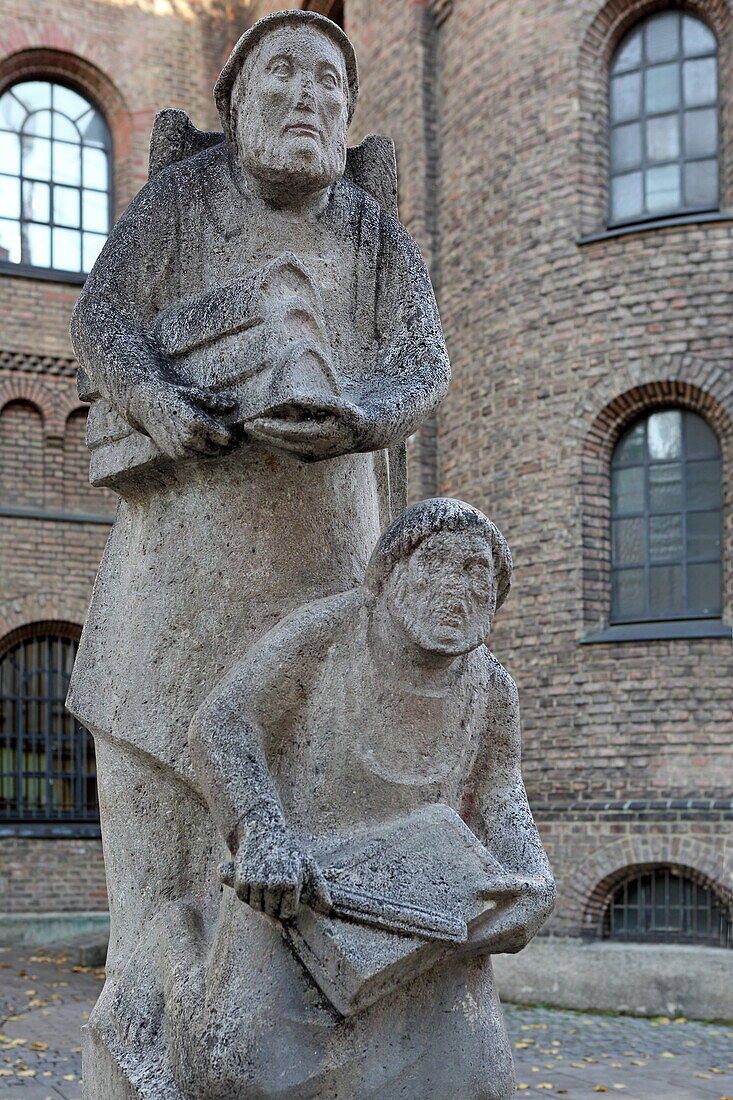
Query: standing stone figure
[
  {"x": 362, "y": 765},
  {"x": 257, "y": 338}
]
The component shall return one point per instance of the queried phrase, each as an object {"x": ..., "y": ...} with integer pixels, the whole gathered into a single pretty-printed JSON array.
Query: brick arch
[
  {"x": 609, "y": 863},
  {"x": 604, "y": 890},
  {"x": 26, "y": 391},
  {"x": 597, "y": 447},
  {"x": 56, "y": 59},
  {"x": 603, "y": 33},
  {"x": 63, "y": 609},
  {"x": 55, "y": 627}
]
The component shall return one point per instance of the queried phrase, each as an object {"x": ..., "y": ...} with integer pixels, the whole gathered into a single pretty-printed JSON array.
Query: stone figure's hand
[
  {"x": 522, "y": 904},
  {"x": 332, "y": 428},
  {"x": 272, "y": 874},
  {"x": 180, "y": 419}
]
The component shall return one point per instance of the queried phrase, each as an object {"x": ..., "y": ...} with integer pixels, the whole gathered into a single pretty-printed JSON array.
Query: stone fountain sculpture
[{"x": 314, "y": 825}]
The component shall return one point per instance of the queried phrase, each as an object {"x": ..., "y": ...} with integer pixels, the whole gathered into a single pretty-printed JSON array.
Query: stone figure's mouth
[{"x": 303, "y": 129}]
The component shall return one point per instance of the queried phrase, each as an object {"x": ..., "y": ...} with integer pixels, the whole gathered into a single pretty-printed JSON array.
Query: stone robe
[{"x": 207, "y": 553}]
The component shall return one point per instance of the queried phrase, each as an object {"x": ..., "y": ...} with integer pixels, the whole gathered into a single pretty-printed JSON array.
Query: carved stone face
[
  {"x": 290, "y": 107},
  {"x": 444, "y": 595}
]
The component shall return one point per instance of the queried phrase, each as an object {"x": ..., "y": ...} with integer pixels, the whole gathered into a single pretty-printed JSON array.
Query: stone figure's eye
[
  {"x": 328, "y": 80},
  {"x": 281, "y": 67}
]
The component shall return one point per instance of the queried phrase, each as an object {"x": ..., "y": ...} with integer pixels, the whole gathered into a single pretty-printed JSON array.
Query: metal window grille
[
  {"x": 666, "y": 906},
  {"x": 666, "y": 520},
  {"x": 55, "y": 177},
  {"x": 664, "y": 120},
  {"x": 47, "y": 768}
]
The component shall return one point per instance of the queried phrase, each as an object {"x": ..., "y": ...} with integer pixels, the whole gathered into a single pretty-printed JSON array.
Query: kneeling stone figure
[{"x": 362, "y": 765}]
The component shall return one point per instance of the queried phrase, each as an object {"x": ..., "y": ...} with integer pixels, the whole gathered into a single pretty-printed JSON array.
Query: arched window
[
  {"x": 663, "y": 111},
  {"x": 666, "y": 520},
  {"x": 47, "y": 770},
  {"x": 667, "y": 905},
  {"x": 55, "y": 158}
]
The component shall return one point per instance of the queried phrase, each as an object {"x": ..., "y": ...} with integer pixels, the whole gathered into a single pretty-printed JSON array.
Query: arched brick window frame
[
  {"x": 599, "y": 43},
  {"x": 598, "y": 448},
  {"x": 47, "y": 769},
  {"x": 602, "y": 895},
  {"x": 95, "y": 86}
]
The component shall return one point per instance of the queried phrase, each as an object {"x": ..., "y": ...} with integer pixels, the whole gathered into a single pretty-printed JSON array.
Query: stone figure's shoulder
[
  {"x": 352, "y": 204},
  {"x": 495, "y": 677},
  {"x": 207, "y": 169},
  {"x": 314, "y": 627}
]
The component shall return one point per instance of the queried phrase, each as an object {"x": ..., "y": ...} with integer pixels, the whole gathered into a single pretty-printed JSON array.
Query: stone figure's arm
[
  {"x": 499, "y": 814},
  {"x": 412, "y": 372},
  {"x": 229, "y": 736},
  {"x": 110, "y": 327}
]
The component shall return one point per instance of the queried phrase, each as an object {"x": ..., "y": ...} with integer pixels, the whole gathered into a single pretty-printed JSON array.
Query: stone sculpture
[{"x": 257, "y": 339}]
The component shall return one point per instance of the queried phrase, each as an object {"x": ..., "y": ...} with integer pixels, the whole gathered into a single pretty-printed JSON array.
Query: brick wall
[{"x": 56, "y": 876}]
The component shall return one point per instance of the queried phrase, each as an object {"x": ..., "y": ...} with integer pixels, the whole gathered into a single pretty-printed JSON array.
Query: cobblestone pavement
[{"x": 44, "y": 999}]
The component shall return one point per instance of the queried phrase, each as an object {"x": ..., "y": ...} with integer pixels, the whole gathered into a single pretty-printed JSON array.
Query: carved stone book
[{"x": 406, "y": 893}]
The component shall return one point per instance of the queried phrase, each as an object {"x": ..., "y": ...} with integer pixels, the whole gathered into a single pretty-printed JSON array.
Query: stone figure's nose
[{"x": 307, "y": 91}]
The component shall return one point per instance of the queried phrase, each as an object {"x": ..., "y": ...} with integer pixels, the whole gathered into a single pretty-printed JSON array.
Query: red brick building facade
[{"x": 565, "y": 328}]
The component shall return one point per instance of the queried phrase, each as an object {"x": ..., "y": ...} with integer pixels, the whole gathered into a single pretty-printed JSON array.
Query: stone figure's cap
[{"x": 255, "y": 34}]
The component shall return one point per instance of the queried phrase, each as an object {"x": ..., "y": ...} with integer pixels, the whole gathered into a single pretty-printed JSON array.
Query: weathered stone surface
[{"x": 258, "y": 338}]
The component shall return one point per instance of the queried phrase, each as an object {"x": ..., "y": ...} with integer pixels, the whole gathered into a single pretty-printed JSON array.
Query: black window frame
[
  {"x": 637, "y": 920},
  {"x": 682, "y": 210},
  {"x": 685, "y": 612},
  {"x": 71, "y": 276},
  {"x": 57, "y": 732}
]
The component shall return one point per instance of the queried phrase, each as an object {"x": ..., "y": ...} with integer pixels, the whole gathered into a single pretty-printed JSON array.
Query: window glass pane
[
  {"x": 696, "y": 37},
  {"x": 39, "y": 245},
  {"x": 69, "y": 102},
  {"x": 9, "y": 197},
  {"x": 663, "y": 137},
  {"x": 625, "y": 147},
  {"x": 665, "y": 589},
  {"x": 701, "y": 183},
  {"x": 39, "y": 123},
  {"x": 662, "y": 86},
  {"x": 627, "y": 490},
  {"x": 93, "y": 244},
  {"x": 664, "y": 433},
  {"x": 10, "y": 153},
  {"x": 625, "y": 97},
  {"x": 663, "y": 187},
  {"x": 95, "y": 207},
  {"x": 626, "y": 196},
  {"x": 36, "y": 201},
  {"x": 628, "y": 541},
  {"x": 665, "y": 538},
  {"x": 630, "y": 447},
  {"x": 36, "y": 158},
  {"x": 33, "y": 94},
  {"x": 12, "y": 112},
  {"x": 95, "y": 169},
  {"x": 10, "y": 241},
  {"x": 665, "y": 488},
  {"x": 66, "y": 163},
  {"x": 703, "y": 484},
  {"x": 701, "y": 132},
  {"x": 66, "y": 206},
  {"x": 700, "y": 439},
  {"x": 628, "y": 593},
  {"x": 63, "y": 129},
  {"x": 704, "y": 588},
  {"x": 67, "y": 249},
  {"x": 663, "y": 37},
  {"x": 628, "y": 56},
  {"x": 94, "y": 131},
  {"x": 703, "y": 535},
  {"x": 699, "y": 81}
]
